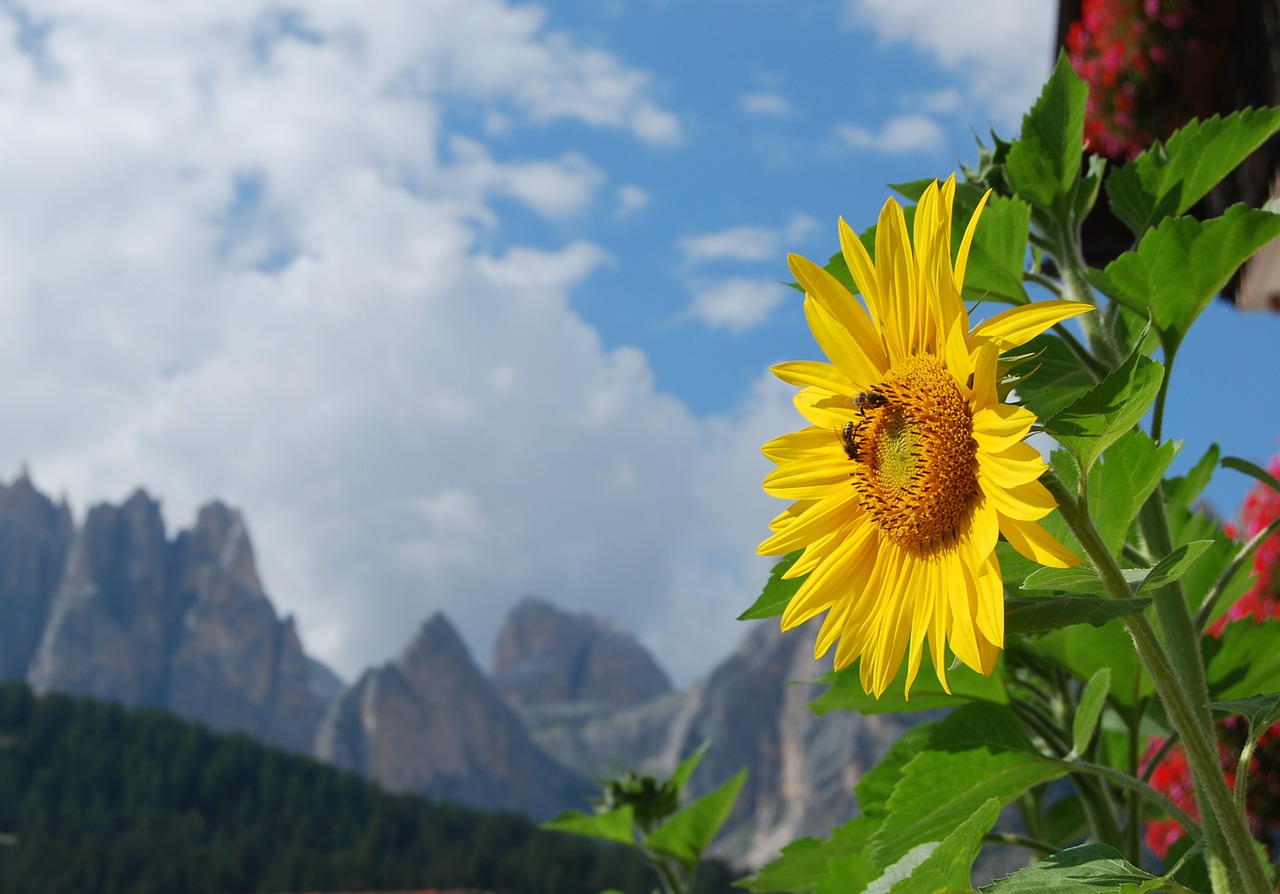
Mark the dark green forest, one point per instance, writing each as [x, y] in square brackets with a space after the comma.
[108, 799]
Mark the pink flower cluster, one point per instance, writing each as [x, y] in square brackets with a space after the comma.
[1261, 602]
[1126, 51]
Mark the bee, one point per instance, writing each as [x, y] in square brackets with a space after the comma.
[869, 400]
[849, 438]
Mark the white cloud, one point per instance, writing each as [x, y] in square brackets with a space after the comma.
[747, 243]
[241, 255]
[1004, 50]
[907, 133]
[631, 199]
[766, 103]
[736, 304]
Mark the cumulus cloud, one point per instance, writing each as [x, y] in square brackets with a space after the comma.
[1004, 51]
[747, 243]
[907, 133]
[630, 199]
[242, 255]
[737, 304]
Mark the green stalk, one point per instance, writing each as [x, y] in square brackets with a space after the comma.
[1233, 863]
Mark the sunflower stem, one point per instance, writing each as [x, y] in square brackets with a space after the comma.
[1234, 865]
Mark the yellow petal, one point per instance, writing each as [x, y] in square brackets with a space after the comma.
[813, 372]
[830, 293]
[1026, 502]
[840, 345]
[837, 509]
[863, 271]
[896, 268]
[962, 258]
[999, 426]
[1036, 543]
[799, 444]
[1019, 325]
[1015, 465]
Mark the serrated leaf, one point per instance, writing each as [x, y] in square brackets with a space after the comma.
[1244, 660]
[998, 253]
[1169, 178]
[945, 865]
[1039, 614]
[875, 787]
[1262, 711]
[686, 834]
[777, 593]
[1054, 378]
[1253, 470]
[1180, 265]
[979, 752]
[613, 825]
[1101, 416]
[1173, 566]
[805, 862]
[1087, 869]
[846, 692]
[1043, 165]
[1089, 711]
[1131, 470]
[1186, 488]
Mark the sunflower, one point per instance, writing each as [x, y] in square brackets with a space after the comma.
[911, 467]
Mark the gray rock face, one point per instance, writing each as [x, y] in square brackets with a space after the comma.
[429, 722]
[35, 535]
[184, 626]
[801, 768]
[547, 656]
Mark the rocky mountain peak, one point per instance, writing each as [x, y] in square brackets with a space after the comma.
[545, 655]
[35, 535]
[429, 722]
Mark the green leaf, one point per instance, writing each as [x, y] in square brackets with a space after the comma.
[1173, 566]
[1186, 488]
[846, 692]
[686, 834]
[777, 593]
[805, 862]
[1168, 179]
[1100, 417]
[1244, 660]
[1087, 869]
[876, 786]
[1038, 614]
[1084, 650]
[1180, 265]
[1043, 165]
[1186, 526]
[998, 253]
[1262, 711]
[1054, 377]
[980, 751]
[680, 775]
[1131, 470]
[613, 825]
[1089, 711]
[945, 865]
[1080, 579]
[1253, 470]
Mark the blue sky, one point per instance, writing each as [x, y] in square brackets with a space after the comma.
[461, 300]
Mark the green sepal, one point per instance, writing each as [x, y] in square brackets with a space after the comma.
[777, 593]
[1167, 179]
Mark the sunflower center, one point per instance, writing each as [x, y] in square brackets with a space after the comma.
[916, 466]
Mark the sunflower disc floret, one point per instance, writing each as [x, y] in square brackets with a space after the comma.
[911, 467]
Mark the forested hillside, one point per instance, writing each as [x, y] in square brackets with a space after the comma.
[107, 799]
